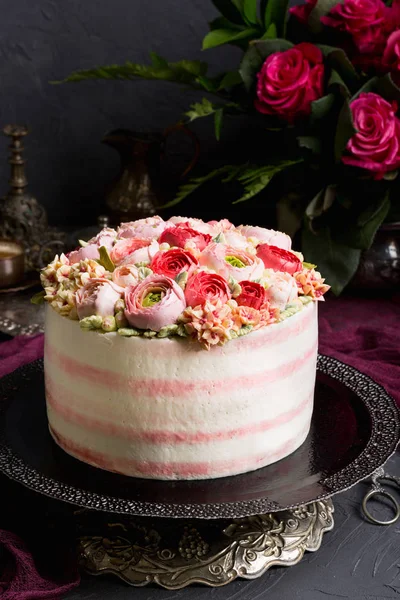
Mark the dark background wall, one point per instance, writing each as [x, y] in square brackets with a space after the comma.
[45, 40]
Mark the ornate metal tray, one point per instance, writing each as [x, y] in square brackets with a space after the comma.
[355, 429]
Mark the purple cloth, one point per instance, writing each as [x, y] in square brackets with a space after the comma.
[19, 576]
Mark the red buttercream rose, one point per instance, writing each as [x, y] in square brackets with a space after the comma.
[376, 145]
[182, 233]
[279, 260]
[253, 295]
[289, 81]
[205, 286]
[172, 262]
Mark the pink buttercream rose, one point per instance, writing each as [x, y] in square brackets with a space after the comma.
[267, 236]
[105, 237]
[173, 262]
[366, 21]
[221, 226]
[253, 295]
[228, 261]
[150, 228]
[143, 255]
[282, 288]
[205, 287]
[178, 235]
[126, 275]
[125, 247]
[235, 239]
[279, 260]
[155, 303]
[391, 56]
[196, 224]
[97, 297]
[289, 81]
[376, 145]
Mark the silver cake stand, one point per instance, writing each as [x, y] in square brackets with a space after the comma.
[211, 531]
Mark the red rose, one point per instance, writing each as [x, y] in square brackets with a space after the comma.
[289, 81]
[279, 260]
[376, 145]
[205, 286]
[303, 12]
[172, 262]
[181, 233]
[391, 56]
[253, 295]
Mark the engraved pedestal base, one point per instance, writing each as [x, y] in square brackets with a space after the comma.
[174, 553]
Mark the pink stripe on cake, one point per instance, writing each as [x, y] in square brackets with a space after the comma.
[168, 387]
[159, 437]
[174, 469]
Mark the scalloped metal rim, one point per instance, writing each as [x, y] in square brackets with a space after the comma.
[385, 435]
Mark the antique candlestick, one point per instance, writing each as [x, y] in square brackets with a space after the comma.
[22, 217]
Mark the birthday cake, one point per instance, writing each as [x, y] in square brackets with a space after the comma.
[181, 349]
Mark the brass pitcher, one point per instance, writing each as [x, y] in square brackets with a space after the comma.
[139, 190]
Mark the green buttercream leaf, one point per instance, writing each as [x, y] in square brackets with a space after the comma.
[244, 330]
[181, 331]
[235, 261]
[128, 332]
[151, 299]
[181, 279]
[82, 243]
[92, 322]
[307, 265]
[234, 287]
[109, 324]
[38, 298]
[219, 239]
[149, 334]
[144, 272]
[105, 259]
[168, 331]
[120, 319]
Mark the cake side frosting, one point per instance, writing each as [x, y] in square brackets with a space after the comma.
[167, 409]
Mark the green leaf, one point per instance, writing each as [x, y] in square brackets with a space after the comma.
[38, 298]
[255, 55]
[250, 11]
[321, 203]
[255, 179]
[158, 61]
[205, 108]
[344, 130]
[218, 118]
[219, 37]
[337, 59]
[184, 71]
[337, 262]
[361, 234]
[228, 10]
[230, 79]
[271, 33]
[190, 187]
[222, 23]
[386, 87]
[312, 143]
[105, 259]
[307, 265]
[335, 81]
[276, 12]
[321, 108]
[320, 10]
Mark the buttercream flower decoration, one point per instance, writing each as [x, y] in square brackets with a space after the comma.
[266, 236]
[279, 260]
[106, 238]
[181, 233]
[311, 283]
[97, 297]
[248, 316]
[232, 262]
[205, 287]
[375, 146]
[173, 262]
[210, 324]
[252, 295]
[280, 288]
[154, 303]
[126, 275]
[143, 255]
[150, 228]
[290, 81]
[127, 247]
[196, 224]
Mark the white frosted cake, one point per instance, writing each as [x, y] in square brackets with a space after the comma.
[181, 349]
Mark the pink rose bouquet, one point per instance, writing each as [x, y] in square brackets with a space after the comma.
[154, 303]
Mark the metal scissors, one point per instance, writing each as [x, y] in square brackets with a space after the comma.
[377, 490]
